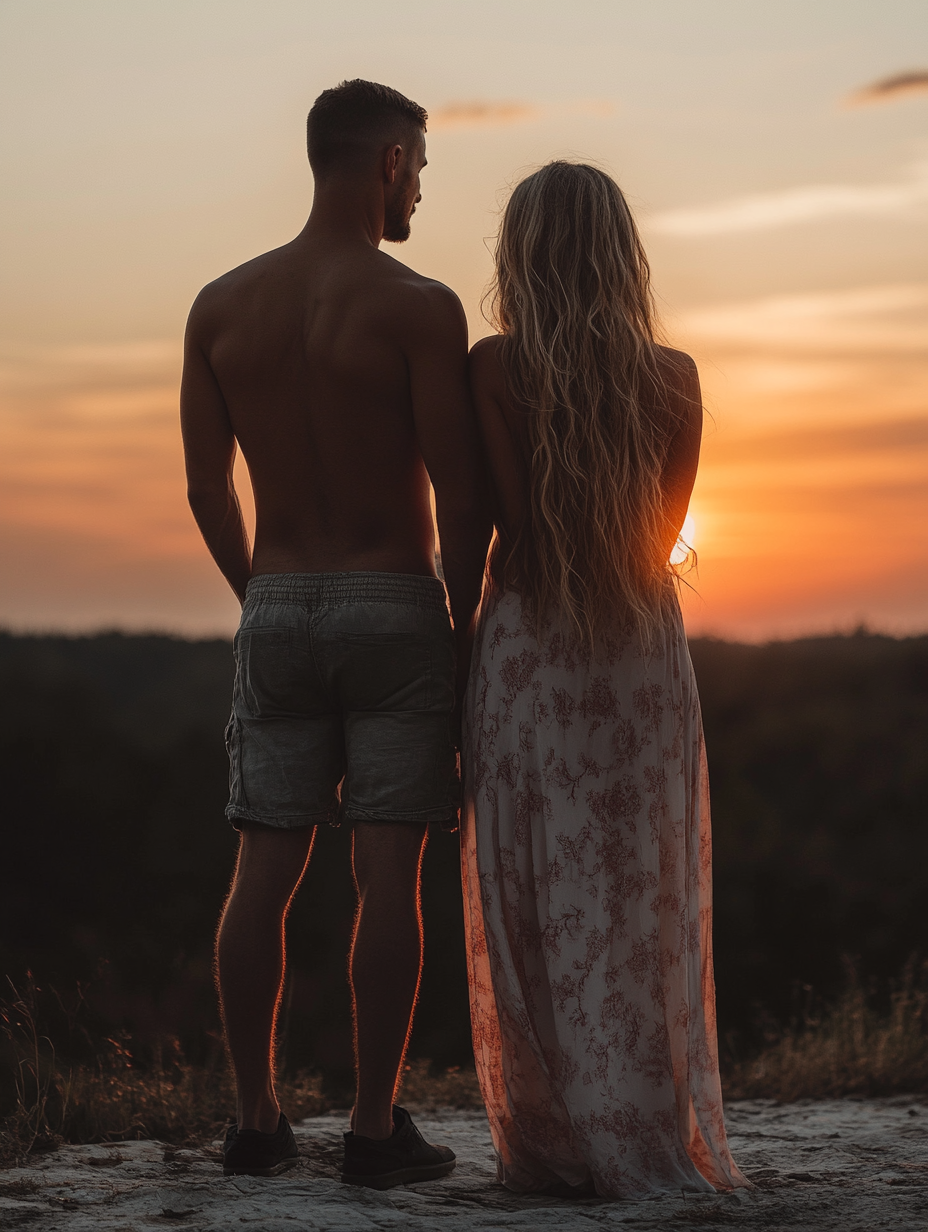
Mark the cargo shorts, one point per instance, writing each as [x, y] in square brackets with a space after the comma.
[342, 704]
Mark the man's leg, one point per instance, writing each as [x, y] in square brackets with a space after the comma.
[250, 961]
[386, 963]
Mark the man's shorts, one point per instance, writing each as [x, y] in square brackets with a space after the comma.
[343, 676]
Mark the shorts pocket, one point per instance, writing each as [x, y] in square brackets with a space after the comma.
[382, 672]
[272, 672]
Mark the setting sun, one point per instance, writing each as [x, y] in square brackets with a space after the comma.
[686, 541]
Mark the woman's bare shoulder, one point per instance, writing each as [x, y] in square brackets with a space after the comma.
[485, 347]
[676, 363]
[486, 370]
[681, 378]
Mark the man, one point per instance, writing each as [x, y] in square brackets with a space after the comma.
[341, 375]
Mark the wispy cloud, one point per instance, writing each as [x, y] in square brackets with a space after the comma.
[118, 381]
[483, 113]
[25, 365]
[478, 114]
[889, 89]
[888, 320]
[810, 203]
[906, 439]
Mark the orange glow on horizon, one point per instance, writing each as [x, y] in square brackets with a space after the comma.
[809, 508]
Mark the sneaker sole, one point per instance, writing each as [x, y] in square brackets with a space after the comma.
[405, 1176]
[274, 1171]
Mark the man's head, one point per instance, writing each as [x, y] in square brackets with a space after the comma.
[360, 128]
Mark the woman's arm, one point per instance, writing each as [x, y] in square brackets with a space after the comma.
[682, 459]
[508, 468]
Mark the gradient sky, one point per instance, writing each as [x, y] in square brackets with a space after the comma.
[149, 146]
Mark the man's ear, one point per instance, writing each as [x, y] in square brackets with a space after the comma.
[391, 162]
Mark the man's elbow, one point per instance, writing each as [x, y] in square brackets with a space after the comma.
[206, 495]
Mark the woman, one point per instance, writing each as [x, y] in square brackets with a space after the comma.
[587, 851]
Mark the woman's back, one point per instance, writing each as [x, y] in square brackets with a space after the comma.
[592, 427]
[503, 425]
[586, 830]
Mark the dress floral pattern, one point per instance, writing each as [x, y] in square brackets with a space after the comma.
[587, 880]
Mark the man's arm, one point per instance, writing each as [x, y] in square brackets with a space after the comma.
[209, 454]
[448, 439]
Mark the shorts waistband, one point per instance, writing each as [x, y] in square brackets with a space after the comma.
[327, 588]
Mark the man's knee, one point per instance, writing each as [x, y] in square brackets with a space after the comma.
[272, 861]
[388, 855]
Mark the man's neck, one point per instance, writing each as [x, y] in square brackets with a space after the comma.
[346, 212]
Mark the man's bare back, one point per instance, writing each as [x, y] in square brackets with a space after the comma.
[309, 350]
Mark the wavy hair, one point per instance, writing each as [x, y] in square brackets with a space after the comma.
[571, 298]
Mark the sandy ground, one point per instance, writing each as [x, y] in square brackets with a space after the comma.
[844, 1164]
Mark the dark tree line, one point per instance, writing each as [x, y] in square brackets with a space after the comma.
[117, 856]
[818, 760]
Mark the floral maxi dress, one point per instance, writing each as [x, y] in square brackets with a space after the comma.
[587, 882]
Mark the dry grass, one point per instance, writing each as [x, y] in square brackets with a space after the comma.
[184, 1104]
[850, 1049]
[423, 1089]
[181, 1105]
[112, 1098]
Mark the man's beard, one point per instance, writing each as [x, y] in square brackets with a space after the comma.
[396, 224]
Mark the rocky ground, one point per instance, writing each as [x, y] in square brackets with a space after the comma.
[844, 1164]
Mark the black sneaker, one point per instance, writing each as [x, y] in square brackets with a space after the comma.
[401, 1159]
[248, 1152]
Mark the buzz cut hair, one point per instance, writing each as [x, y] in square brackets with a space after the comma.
[348, 123]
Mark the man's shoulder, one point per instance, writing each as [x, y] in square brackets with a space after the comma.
[414, 300]
[231, 286]
[415, 288]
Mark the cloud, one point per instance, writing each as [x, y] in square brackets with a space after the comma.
[889, 320]
[31, 365]
[889, 89]
[906, 439]
[482, 114]
[488, 114]
[79, 383]
[811, 203]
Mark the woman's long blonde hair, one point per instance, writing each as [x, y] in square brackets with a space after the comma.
[572, 300]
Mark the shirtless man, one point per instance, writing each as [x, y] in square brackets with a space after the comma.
[341, 374]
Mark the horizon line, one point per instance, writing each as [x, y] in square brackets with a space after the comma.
[861, 629]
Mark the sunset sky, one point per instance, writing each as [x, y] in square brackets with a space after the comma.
[782, 192]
